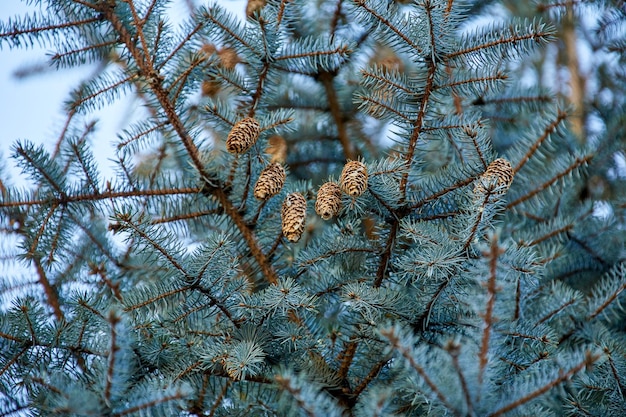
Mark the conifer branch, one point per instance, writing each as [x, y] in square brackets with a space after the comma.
[80, 99]
[513, 39]
[78, 198]
[178, 395]
[161, 296]
[386, 255]
[461, 183]
[101, 272]
[453, 350]
[286, 384]
[616, 374]
[218, 401]
[609, 300]
[589, 360]
[345, 357]
[379, 107]
[546, 133]
[46, 27]
[114, 320]
[577, 163]
[394, 340]
[14, 359]
[417, 125]
[488, 319]
[155, 83]
[387, 23]
[335, 110]
[371, 375]
[565, 229]
[144, 133]
[477, 221]
[79, 51]
[562, 306]
[51, 294]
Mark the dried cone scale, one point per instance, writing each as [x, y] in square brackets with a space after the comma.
[293, 215]
[270, 181]
[243, 135]
[328, 201]
[353, 180]
[500, 172]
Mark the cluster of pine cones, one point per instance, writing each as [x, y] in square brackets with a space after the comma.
[353, 180]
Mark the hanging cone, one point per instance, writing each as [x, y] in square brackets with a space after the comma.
[328, 201]
[353, 180]
[293, 215]
[277, 149]
[243, 135]
[270, 182]
[496, 179]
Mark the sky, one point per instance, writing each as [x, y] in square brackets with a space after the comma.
[31, 107]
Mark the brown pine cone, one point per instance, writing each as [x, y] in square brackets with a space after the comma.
[353, 180]
[243, 135]
[270, 181]
[328, 201]
[277, 148]
[293, 215]
[498, 176]
[253, 6]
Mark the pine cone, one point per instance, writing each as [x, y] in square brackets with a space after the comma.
[228, 58]
[270, 182]
[293, 215]
[328, 201]
[498, 176]
[243, 135]
[277, 148]
[353, 180]
[210, 87]
[253, 6]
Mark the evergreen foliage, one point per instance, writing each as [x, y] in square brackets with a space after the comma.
[470, 263]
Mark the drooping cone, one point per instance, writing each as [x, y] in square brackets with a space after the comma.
[228, 57]
[353, 180]
[293, 215]
[243, 135]
[277, 149]
[210, 87]
[496, 179]
[253, 6]
[328, 201]
[270, 181]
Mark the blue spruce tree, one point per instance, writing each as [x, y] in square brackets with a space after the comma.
[332, 208]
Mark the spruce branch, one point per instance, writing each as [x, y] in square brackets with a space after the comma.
[386, 255]
[546, 134]
[114, 320]
[177, 395]
[589, 360]
[494, 252]
[371, 376]
[335, 110]
[286, 384]
[17, 29]
[51, 294]
[365, 4]
[461, 183]
[578, 162]
[418, 125]
[155, 83]
[454, 349]
[394, 340]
